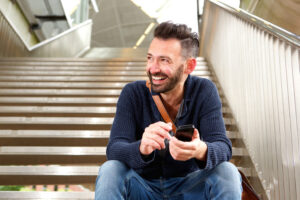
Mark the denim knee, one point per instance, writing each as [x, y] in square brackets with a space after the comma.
[112, 170]
[112, 167]
[229, 176]
[229, 171]
[110, 180]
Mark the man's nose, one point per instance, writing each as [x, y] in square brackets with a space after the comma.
[154, 68]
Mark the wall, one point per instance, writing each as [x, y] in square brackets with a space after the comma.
[71, 43]
[260, 76]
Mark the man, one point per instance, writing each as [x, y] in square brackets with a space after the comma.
[145, 160]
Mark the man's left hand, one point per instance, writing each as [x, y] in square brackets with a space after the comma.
[183, 151]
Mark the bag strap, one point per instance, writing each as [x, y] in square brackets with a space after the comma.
[248, 191]
[160, 106]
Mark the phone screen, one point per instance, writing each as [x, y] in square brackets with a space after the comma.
[185, 132]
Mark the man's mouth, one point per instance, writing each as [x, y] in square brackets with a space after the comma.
[158, 78]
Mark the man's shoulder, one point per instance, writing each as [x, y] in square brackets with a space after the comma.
[135, 85]
[201, 83]
[136, 88]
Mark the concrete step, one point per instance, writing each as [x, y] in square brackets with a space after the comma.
[54, 138]
[57, 109]
[85, 73]
[12, 195]
[33, 155]
[27, 175]
[91, 78]
[62, 137]
[117, 58]
[67, 120]
[62, 85]
[97, 101]
[68, 101]
[57, 120]
[66, 84]
[67, 109]
[78, 62]
[84, 68]
[53, 174]
[59, 92]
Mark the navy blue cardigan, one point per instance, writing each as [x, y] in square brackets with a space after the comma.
[136, 110]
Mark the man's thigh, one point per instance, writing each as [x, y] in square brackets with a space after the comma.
[139, 188]
[222, 182]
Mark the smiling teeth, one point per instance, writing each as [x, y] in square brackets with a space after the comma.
[157, 78]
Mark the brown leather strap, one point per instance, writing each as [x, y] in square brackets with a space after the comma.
[160, 106]
[248, 191]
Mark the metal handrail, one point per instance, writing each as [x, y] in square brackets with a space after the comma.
[45, 42]
[275, 30]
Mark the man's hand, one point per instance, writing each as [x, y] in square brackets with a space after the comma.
[183, 151]
[154, 136]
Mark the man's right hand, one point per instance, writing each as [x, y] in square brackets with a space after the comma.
[154, 136]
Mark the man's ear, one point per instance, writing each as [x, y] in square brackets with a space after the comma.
[191, 65]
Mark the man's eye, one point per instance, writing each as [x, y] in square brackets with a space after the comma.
[149, 58]
[164, 60]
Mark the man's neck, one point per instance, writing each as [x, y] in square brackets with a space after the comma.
[173, 99]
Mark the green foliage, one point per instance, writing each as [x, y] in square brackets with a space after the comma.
[11, 187]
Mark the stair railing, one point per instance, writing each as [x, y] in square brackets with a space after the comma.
[61, 45]
[258, 67]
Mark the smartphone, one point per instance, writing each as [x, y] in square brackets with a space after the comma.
[185, 132]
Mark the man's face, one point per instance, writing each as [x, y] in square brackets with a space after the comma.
[165, 65]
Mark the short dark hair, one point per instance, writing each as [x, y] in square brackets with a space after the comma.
[189, 40]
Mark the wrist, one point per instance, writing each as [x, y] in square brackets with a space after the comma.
[202, 152]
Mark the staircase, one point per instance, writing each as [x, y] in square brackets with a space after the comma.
[55, 117]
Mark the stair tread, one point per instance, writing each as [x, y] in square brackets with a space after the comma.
[66, 120]
[59, 100]
[55, 120]
[62, 85]
[90, 78]
[73, 151]
[50, 170]
[85, 68]
[44, 150]
[68, 134]
[85, 73]
[56, 170]
[54, 134]
[62, 109]
[7, 195]
[60, 91]
[57, 109]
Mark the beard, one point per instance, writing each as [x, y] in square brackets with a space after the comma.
[171, 82]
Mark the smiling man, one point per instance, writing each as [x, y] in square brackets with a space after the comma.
[145, 161]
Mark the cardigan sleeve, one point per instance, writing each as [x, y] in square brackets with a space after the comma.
[213, 131]
[123, 144]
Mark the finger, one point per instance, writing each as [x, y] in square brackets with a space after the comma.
[158, 138]
[182, 145]
[195, 134]
[158, 130]
[153, 144]
[180, 154]
[148, 146]
[166, 126]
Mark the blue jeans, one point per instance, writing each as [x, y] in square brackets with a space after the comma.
[116, 181]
